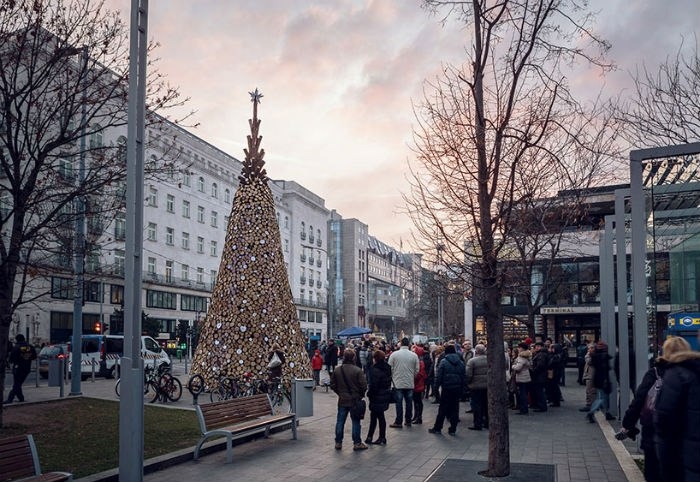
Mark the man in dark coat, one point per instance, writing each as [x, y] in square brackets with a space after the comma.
[540, 361]
[350, 384]
[451, 377]
[21, 359]
[331, 357]
[677, 419]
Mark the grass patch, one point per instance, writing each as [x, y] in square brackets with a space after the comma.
[81, 435]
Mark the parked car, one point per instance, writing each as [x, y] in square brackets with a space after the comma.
[51, 352]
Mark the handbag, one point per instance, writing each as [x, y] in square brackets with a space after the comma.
[274, 361]
[359, 407]
[392, 394]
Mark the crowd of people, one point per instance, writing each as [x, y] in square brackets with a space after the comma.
[409, 375]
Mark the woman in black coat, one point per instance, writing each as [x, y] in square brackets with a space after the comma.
[677, 419]
[379, 395]
[652, 472]
[600, 360]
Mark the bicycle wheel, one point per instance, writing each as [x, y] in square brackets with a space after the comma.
[150, 392]
[116, 387]
[195, 385]
[172, 388]
[281, 402]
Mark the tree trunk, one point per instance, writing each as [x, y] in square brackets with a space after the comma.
[7, 277]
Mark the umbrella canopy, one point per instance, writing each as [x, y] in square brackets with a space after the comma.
[354, 331]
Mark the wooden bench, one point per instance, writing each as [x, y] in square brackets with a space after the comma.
[238, 418]
[19, 461]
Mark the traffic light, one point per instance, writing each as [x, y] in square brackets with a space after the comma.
[98, 327]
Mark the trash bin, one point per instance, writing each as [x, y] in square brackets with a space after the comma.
[179, 354]
[56, 369]
[303, 397]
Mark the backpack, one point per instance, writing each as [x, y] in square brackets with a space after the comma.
[646, 416]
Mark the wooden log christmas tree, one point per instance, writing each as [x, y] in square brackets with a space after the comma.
[251, 304]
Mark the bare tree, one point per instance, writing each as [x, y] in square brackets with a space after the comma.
[63, 84]
[664, 107]
[490, 134]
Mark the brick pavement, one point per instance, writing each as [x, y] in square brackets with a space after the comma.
[561, 436]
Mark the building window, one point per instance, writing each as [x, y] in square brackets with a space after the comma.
[200, 244]
[151, 265]
[186, 178]
[119, 262]
[96, 137]
[200, 214]
[286, 222]
[170, 203]
[61, 288]
[200, 184]
[226, 218]
[214, 219]
[116, 294]
[213, 274]
[286, 246]
[212, 248]
[302, 233]
[65, 169]
[153, 197]
[185, 272]
[214, 190]
[152, 232]
[200, 275]
[120, 227]
[186, 209]
[169, 271]
[161, 299]
[193, 303]
[227, 196]
[169, 236]
[185, 240]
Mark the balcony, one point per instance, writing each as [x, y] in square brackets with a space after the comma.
[311, 238]
[302, 257]
[311, 281]
[303, 280]
[318, 263]
[318, 242]
[312, 304]
[311, 260]
[302, 234]
[318, 284]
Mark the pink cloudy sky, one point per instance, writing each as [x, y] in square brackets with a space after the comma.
[339, 77]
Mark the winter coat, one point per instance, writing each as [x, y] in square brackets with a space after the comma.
[419, 379]
[21, 357]
[477, 373]
[331, 357]
[557, 361]
[677, 419]
[451, 374]
[521, 367]
[538, 370]
[379, 392]
[629, 421]
[404, 366]
[317, 361]
[600, 360]
[354, 389]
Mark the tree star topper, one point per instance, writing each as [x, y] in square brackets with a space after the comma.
[255, 96]
[253, 165]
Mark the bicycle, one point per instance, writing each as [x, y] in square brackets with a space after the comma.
[169, 388]
[280, 396]
[226, 390]
[150, 387]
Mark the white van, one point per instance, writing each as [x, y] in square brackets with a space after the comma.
[151, 352]
[104, 351]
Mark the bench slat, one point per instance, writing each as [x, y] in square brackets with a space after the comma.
[17, 461]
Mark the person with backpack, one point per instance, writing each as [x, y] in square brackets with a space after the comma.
[642, 409]
[677, 418]
[21, 359]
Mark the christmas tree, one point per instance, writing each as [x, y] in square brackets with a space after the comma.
[251, 305]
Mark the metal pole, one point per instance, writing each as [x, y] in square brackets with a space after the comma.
[79, 251]
[131, 404]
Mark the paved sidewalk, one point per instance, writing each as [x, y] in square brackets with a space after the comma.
[580, 450]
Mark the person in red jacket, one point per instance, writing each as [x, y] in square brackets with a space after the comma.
[419, 387]
[316, 366]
